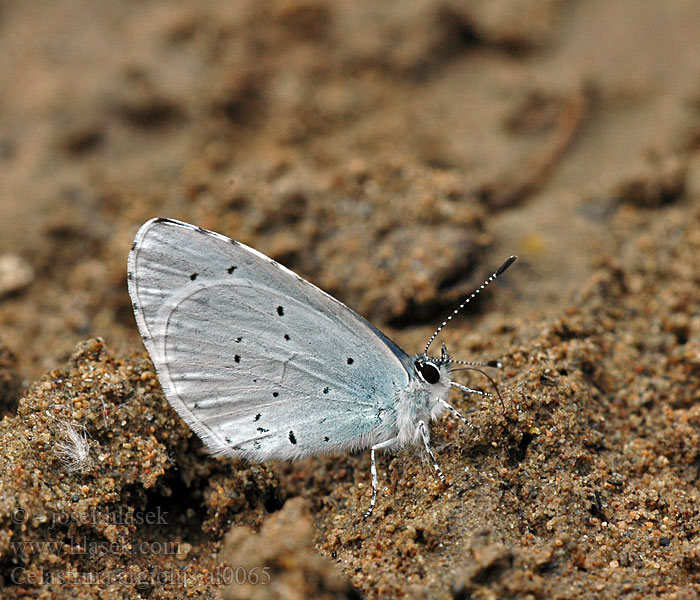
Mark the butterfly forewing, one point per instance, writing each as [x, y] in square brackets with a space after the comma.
[256, 360]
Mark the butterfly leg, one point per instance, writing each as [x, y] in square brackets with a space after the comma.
[456, 413]
[468, 390]
[426, 442]
[385, 444]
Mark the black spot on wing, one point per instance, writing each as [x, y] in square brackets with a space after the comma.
[350, 360]
[326, 438]
[193, 276]
[238, 340]
[231, 269]
[326, 390]
[286, 337]
[237, 359]
[263, 430]
[280, 311]
[275, 394]
[292, 437]
[257, 417]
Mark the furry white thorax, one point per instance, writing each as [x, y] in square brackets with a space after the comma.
[420, 401]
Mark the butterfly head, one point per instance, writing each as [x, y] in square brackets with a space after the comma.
[433, 371]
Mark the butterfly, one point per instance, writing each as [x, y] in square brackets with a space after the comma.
[262, 364]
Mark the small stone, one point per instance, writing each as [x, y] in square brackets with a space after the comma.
[15, 274]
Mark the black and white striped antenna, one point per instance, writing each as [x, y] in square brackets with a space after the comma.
[473, 295]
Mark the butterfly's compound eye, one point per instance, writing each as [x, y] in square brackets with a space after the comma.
[428, 371]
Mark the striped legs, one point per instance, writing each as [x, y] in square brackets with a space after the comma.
[456, 413]
[379, 446]
[422, 427]
[425, 435]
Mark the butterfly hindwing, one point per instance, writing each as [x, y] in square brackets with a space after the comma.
[258, 361]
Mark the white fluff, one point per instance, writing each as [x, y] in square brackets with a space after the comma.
[74, 449]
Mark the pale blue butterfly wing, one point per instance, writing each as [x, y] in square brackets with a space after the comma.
[259, 362]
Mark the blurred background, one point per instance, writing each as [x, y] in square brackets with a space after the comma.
[392, 153]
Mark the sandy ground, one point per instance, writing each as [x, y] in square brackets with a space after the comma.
[393, 154]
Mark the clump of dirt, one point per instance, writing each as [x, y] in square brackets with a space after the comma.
[95, 468]
[280, 561]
